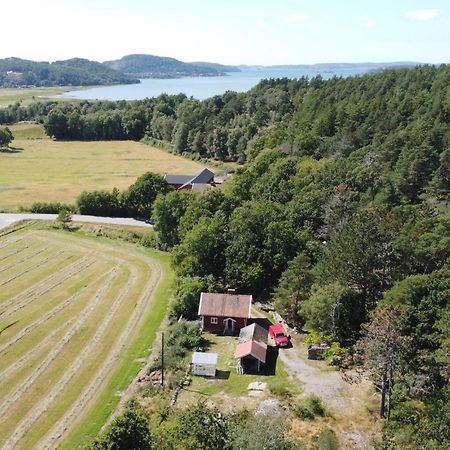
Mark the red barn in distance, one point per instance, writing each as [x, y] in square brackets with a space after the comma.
[226, 313]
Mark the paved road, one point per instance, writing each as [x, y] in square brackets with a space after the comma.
[7, 219]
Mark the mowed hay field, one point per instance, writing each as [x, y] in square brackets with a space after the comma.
[77, 315]
[39, 169]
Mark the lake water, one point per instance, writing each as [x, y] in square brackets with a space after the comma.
[200, 87]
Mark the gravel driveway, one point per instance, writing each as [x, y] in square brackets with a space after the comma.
[7, 219]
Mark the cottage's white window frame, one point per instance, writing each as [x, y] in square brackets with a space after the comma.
[214, 320]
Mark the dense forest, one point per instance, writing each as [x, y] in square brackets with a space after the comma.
[340, 215]
[150, 66]
[16, 72]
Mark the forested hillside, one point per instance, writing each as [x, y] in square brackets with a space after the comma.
[340, 216]
[150, 66]
[16, 72]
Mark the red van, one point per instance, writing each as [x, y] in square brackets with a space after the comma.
[279, 335]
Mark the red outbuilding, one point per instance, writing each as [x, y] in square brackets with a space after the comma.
[226, 313]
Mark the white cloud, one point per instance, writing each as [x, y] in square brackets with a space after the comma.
[422, 14]
[297, 17]
[368, 21]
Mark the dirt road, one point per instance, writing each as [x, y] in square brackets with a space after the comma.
[8, 219]
[315, 378]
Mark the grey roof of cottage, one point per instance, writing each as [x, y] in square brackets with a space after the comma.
[178, 179]
[225, 305]
[204, 358]
[205, 176]
[253, 332]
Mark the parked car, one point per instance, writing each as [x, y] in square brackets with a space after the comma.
[278, 334]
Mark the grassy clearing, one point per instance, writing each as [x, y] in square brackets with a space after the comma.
[229, 389]
[74, 341]
[40, 169]
[27, 96]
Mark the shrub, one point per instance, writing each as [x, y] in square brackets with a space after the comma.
[279, 389]
[187, 296]
[129, 430]
[100, 203]
[326, 440]
[309, 408]
[150, 240]
[336, 351]
[50, 207]
[182, 337]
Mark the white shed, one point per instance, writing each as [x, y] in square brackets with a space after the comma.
[204, 363]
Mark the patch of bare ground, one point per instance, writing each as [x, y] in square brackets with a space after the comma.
[349, 397]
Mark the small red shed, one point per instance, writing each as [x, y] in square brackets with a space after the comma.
[226, 313]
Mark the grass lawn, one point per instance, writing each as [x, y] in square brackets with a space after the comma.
[228, 390]
[44, 170]
[27, 96]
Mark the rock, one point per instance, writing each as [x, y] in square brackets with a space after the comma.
[257, 386]
[316, 351]
[270, 408]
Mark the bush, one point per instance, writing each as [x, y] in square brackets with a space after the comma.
[187, 296]
[279, 389]
[150, 240]
[309, 408]
[255, 433]
[326, 440]
[50, 207]
[129, 430]
[182, 337]
[335, 352]
[100, 203]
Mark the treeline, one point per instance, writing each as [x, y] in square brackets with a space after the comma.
[196, 427]
[313, 117]
[16, 72]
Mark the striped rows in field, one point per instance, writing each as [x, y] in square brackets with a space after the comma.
[72, 308]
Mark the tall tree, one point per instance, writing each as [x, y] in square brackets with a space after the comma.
[6, 137]
[385, 350]
[138, 199]
[167, 211]
[294, 287]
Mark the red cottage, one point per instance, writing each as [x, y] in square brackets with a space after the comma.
[226, 313]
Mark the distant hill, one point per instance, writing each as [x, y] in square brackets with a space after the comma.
[220, 67]
[16, 72]
[331, 67]
[150, 66]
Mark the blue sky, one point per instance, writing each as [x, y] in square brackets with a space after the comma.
[230, 31]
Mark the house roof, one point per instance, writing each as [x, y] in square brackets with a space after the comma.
[204, 358]
[205, 176]
[225, 305]
[253, 332]
[251, 348]
[178, 179]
